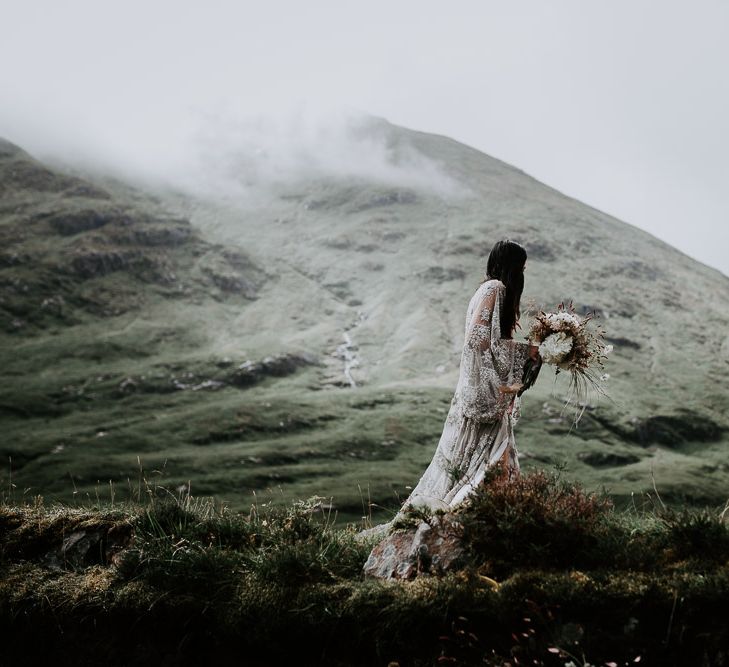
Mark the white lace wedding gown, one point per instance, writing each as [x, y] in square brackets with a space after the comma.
[479, 428]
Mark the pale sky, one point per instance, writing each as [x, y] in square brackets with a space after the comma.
[622, 104]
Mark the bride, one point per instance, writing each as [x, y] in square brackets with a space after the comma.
[495, 370]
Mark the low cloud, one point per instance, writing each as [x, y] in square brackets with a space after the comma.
[240, 155]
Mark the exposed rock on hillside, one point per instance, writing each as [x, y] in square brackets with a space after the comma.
[103, 245]
[250, 372]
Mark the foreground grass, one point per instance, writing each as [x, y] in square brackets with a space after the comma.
[179, 580]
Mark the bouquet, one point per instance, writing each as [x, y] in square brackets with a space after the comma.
[567, 342]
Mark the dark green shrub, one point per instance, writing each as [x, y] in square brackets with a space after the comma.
[536, 520]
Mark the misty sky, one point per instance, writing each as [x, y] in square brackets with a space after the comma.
[623, 105]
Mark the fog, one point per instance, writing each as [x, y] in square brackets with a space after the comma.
[238, 156]
[622, 105]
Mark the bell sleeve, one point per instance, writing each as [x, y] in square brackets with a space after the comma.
[489, 361]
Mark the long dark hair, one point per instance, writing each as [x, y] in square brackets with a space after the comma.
[506, 263]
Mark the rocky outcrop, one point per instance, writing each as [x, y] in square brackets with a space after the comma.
[387, 198]
[432, 547]
[244, 375]
[232, 283]
[251, 372]
[232, 272]
[69, 249]
[69, 223]
[94, 263]
[97, 545]
[157, 233]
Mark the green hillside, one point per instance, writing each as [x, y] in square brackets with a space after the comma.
[306, 342]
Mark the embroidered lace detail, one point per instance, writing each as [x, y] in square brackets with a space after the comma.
[478, 336]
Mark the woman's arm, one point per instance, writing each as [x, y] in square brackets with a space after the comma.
[506, 356]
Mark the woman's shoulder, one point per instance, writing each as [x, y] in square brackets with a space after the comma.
[485, 291]
[489, 285]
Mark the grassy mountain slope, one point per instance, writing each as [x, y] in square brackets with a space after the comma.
[405, 262]
[218, 341]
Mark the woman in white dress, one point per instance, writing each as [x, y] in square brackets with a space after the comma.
[495, 370]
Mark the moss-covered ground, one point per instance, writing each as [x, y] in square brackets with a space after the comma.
[554, 575]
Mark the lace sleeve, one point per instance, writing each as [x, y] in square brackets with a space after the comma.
[489, 361]
[508, 355]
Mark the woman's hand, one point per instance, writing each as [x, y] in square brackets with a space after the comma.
[534, 352]
[510, 388]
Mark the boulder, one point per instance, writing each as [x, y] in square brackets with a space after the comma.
[433, 547]
[251, 372]
[92, 545]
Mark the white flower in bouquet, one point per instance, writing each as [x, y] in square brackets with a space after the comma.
[562, 318]
[555, 347]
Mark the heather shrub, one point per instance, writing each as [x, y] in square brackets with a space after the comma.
[537, 520]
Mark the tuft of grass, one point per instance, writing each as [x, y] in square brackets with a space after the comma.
[178, 541]
[697, 534]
